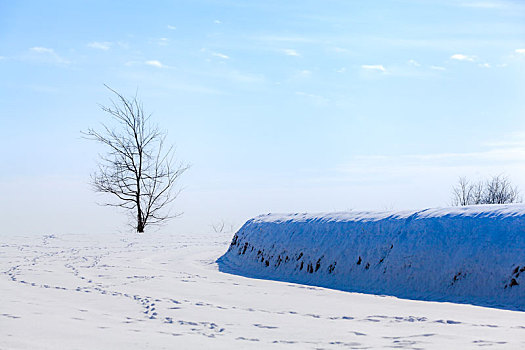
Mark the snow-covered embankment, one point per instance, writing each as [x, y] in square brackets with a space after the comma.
[470, 254]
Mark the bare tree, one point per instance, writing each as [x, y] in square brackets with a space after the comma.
[497, 190]
[223, 226]
[138, 169]
[462, 193]
[477, 193]
[218, 227]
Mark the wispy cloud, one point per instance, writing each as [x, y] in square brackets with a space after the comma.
[170, 27]
[462, 57]
[374, 67]
[220, 55]
[104, 45]
[513, 139]
[438, 68]
[341, 70]
[434, 165]
[291, 52]
[48, 55]
[155, 63]
[508, 150]
[500, 155]
[520, 51]
[163, 41]
[40, 49]
[484, 65]
[217, 21]
[414, 63]
[215, 54]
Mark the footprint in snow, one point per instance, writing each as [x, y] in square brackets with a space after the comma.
[447, 322]
[247, 339]
[488, 342]
[358, 333]
[284, 342]
[263, 326]
[351, 344]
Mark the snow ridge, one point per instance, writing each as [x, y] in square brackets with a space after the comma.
[472, 254]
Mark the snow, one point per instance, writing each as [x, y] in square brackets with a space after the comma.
[473, 254]
[164, 291]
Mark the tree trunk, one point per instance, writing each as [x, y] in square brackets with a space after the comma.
[140, 225]
[140, 219]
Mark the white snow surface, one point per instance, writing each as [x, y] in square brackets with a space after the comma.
[472, 254]
[165, 291]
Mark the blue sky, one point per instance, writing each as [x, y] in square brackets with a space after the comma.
[279, 106]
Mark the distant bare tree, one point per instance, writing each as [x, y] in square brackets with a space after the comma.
[477, 193]
[222, 226]
[497, 190]
[138, 169]
[218, 227]
[462, 192]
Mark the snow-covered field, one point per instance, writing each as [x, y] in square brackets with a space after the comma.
[166, 292]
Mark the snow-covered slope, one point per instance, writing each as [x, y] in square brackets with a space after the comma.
[472, 254]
